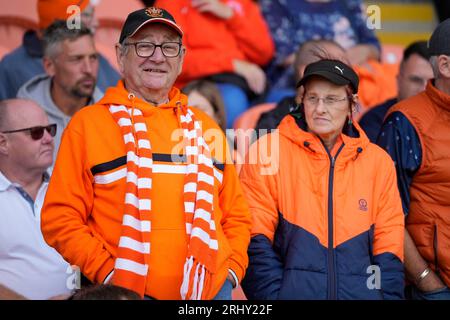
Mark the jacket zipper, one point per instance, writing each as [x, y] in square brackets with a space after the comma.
[332, 288]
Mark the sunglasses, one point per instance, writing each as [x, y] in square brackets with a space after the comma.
[37, 133]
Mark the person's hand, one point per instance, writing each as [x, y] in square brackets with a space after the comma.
[252, 73]
[215, 7]
[430, 283]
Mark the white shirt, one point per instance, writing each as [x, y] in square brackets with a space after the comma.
[27, 264]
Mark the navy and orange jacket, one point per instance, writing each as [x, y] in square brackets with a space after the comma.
[84, 205]
[324, 223]
[213, 43]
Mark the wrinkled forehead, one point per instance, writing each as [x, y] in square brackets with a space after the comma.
[25, 113]
[322, 85]
[156, 31]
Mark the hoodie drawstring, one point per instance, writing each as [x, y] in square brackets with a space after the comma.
[131, 97]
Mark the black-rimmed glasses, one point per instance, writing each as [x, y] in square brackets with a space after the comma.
[328, 101]
[147, 49]
[37, 133]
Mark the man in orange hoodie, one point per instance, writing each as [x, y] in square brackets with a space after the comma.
[138, 198]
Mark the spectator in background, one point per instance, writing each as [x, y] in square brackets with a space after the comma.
[293, 22]
[415, 71]
[71, 64]
[28, 266]
[416, 134]
[205, 95]
[228, 42]
[25, 62]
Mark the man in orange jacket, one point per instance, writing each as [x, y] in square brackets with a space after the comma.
[138, 198]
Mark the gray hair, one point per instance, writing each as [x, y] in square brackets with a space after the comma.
[57, 32]
[123, 48]
[435, 66]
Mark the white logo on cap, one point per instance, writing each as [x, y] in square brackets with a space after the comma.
[341, 70]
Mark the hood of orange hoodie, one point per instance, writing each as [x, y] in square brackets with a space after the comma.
[119, 95]
[295, 129]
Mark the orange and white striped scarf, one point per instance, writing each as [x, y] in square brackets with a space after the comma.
[133, 252]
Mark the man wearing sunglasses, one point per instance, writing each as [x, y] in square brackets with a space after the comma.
[35, 271]
[71, 65]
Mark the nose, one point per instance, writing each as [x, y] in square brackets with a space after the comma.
[47, 138]
[320, 107]
[87, 65]
[158, 55]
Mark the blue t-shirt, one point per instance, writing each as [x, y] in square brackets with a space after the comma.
[399, 138]
[372, 120]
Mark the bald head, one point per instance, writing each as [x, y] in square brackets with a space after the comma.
[315, 50]
[15, 113]
[23, 157]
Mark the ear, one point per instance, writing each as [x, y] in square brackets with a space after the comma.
[49, 66]
[444, 65]
[299, 95]
[3, 144]
[120, 57]
[182, 54]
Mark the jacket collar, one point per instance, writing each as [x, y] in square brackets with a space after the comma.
[294, 128]
[438, 97]
[119, 95]
[5, 183]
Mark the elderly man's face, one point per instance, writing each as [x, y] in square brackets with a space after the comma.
[156, 73]
[24, 152]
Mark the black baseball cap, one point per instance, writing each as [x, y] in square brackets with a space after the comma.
[439, 42]
[139, 18]
[333, 70]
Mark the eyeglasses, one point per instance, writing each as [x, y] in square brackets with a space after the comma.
[328, 101]
[37, 133]
[147, 49]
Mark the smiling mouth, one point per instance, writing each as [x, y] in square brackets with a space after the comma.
[154, 70]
